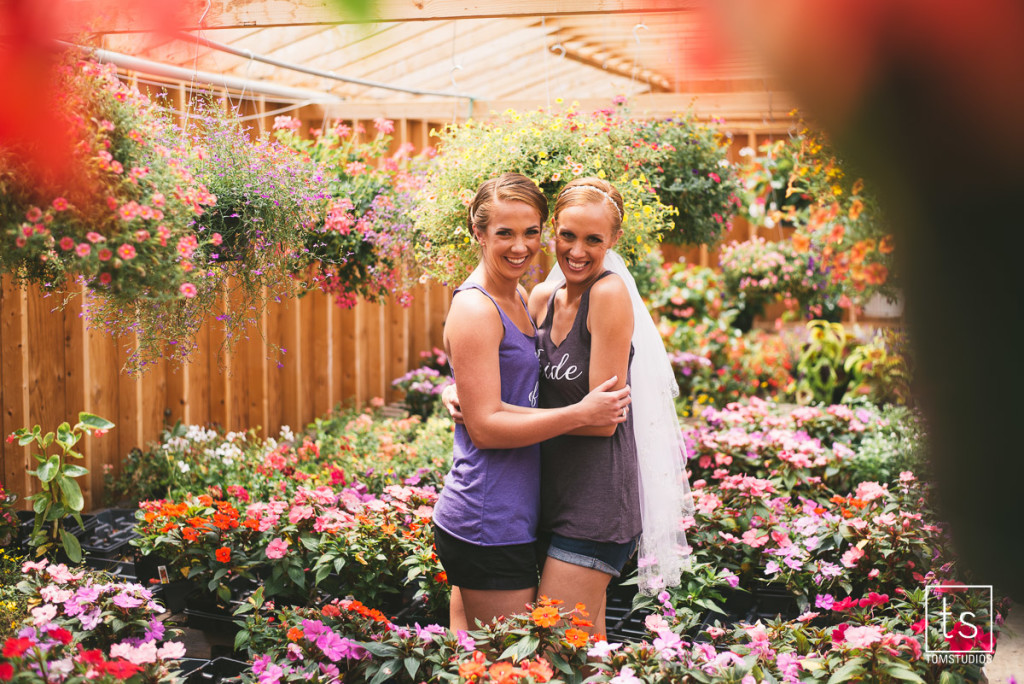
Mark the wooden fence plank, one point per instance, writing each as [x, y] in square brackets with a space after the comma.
[318, 356]
[102, 398]
[347, 326]
[197, 385]
[397, 334]
[309, 311]
[290, 372]
[14, 384]
[47, 401]
[77, 378]
[129, 391]
[219, 369]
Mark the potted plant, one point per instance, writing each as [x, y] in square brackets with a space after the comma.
[61, 496]
[552, 148]
[361, 242]
[693, 175]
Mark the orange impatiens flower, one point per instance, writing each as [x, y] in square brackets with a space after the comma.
[473, 669]
[545, 616]
[886, 245]
[539, 669]
[504, 673]
[223, 554]
[856, 207]
[876, 274]
[294, 634]
[576, 637]
[189, 534]
[801, 243]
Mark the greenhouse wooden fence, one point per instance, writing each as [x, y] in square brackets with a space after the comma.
[52, 366]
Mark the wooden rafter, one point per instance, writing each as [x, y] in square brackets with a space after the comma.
[106, 17]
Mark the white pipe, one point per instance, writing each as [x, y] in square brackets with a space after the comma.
[232, 82]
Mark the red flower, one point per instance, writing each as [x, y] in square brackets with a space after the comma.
[93, 657]
[918, 626]
[874, 599]
[121, 669]
[60, 634]
[15, 647]
[839, 633]
[6, 672]
[959, 641]
[844, 605]
[223, 554]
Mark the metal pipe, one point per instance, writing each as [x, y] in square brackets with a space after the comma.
[249, 54]
[232, 82]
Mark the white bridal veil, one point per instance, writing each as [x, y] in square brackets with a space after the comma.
[665, 498]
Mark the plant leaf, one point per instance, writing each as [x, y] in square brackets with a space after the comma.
[847, 671]
[71, 546]
[48, 470]
[95, 422]
[72, 493]
[73, 470]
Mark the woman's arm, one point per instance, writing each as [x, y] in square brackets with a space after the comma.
[473, 334]
[610, 322]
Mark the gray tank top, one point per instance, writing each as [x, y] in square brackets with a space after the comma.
[589, 485]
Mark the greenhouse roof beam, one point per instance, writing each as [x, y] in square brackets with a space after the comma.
[249, 54]
[104, 18]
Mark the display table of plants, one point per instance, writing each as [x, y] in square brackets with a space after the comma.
[813, 541]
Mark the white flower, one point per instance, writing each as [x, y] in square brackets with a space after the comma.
[172, 650]
[747, 151]
[184, 467]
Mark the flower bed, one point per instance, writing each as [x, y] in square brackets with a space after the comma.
[813, 543]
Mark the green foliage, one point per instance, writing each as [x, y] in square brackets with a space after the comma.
[551, 148]
[694, 177]
[61, 495]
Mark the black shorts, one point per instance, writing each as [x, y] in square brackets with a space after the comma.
[486, 568]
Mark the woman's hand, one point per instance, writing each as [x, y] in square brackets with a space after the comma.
[604, 406]
[450, 399]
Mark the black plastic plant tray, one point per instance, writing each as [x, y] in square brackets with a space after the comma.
[209, 621]
[123, 569]
[111, 533]
[222, 669]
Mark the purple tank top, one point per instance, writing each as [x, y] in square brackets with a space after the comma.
[491, 497]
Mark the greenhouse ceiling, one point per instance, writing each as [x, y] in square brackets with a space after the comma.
[446, 58]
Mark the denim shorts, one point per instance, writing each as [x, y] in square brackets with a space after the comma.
[607, 557]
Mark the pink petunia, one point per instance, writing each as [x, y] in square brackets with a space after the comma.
[188, 290]
[126, 252]
[60, 204]
[94, 237]
[83, 249]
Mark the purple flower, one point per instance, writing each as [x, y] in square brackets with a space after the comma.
[426, 633]
[824, 601]
[466, 642]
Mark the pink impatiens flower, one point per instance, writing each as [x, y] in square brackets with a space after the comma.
[188, 290]
[862, 637]
[851, 557]
[277, 548]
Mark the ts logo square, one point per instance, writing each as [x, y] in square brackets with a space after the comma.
[958, 622]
